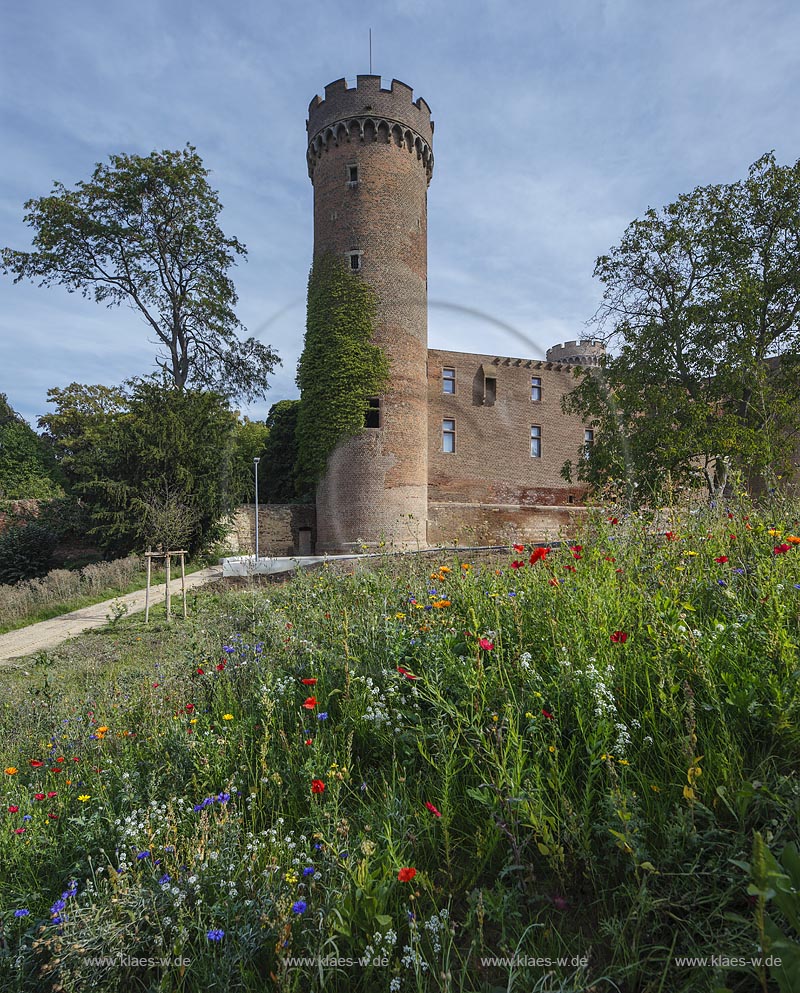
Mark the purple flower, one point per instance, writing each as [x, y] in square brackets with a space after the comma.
[299, 907]
[323, 716]
[215, 934]
[223, 797]
[143, 855]
[58, 906]
[21, 913]
[164, 879]
[228, 649]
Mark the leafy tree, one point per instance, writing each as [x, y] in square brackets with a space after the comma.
[150, 463]
[703, 298]
[280, 457]
[143, 231]
[26, 550]
[340, 367]
[27, 467]
[251, 442]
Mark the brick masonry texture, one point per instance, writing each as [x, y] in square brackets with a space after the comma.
[279, 527]
[376, 485]
[492, 463]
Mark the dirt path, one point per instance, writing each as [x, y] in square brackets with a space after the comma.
[48, 634]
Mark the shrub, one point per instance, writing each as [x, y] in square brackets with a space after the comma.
[26, 550]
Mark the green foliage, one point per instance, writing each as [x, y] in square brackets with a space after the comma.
[26, 550]
[143, 231]
[703, 297]
[251, 441]
[277, 479]
[27, 468]
[778, 882]
[340, 367]
[592, 796]
[151, 464]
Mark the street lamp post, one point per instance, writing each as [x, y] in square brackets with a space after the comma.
[255, 465]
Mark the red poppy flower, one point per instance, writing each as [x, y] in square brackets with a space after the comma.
[309, 681]
[432, 809]
[189, 707]
[732, 537]
[619, 637]
[220, 666]
[60, 758]
[518, 548]
[13, 808]
[486, 645]
[38, 796]
[310, 703]
[406, 673]
[670, 536]
[56, 768]
[613, 520]
[721, 559]
[547, 714]
[201, 672]
[406, 875]
[609, 558]
[52, 816]
[730, 516]
[777, 550]
[309, 741]
[51, 794]
[570, 568]
[517, 564]
[19, 830]
[35, 763]
[317, 786]
[538, 555]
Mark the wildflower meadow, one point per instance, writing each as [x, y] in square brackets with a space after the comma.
[560, 769]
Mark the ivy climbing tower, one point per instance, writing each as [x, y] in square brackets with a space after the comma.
[370, 160]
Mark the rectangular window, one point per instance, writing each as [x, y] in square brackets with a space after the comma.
[536, 388]
[588, 441]
[448, 435]
[489, 390]
[352, 175]
[448, 380]
[372, 415]
[536, 441]
[355, 261]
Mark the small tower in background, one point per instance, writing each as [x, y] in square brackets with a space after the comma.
[586, 353]
[370, 160]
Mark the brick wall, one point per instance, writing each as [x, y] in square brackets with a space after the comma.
[492, 463]
[452, 523]
[278, 528]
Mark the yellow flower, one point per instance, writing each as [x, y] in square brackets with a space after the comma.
[552, 748]
[624, 762]
[102, 730]
[494, 717]
[290, 877]
[445, 568]
[654, 788]
[227, 717]
[528, 714]
[400, 616]
[84, 797]
[774, 532]
[193, 720]
[466, 565]
[12, 770]
[691, 553]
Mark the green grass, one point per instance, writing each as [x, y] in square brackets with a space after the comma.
[66, 606]
[575, 756]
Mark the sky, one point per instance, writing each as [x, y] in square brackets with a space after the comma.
[557, 124]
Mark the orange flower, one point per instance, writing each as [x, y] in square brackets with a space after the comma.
[12, 770]
[793, 539]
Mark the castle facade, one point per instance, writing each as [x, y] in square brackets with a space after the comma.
[461, 447]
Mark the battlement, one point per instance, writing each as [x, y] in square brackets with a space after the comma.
[585, 352]
[368, 99]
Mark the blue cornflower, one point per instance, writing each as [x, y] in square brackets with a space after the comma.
[797, 586]
[739, 572]
[169, 848]
[223, 797]
[299, 907]
[143, 855]
[215, 934]
[197, 808]
[164, 879]
[323, 716]
[428, 606]
[317, 846]
[344, 855]
[58, 906]
[228, 649]
[721, 582]
[21, 913]
[26, 817]
[309, 870]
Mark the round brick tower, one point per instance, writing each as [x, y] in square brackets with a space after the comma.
[370, 161]
[583, 353]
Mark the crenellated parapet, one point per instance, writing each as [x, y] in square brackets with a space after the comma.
[368, 113]
[587, 352]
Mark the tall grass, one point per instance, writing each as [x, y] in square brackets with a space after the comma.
[572, 754]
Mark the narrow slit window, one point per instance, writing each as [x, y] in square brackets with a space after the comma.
[489, 391]
[372, 415]
[448, 435]
[355, 261]
[536, 388]
[448, 380]
[352, 175]
[536, 441]
[588, 442]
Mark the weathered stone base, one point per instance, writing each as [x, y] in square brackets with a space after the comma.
[499, 524]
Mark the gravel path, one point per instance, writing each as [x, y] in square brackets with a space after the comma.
[47, 634]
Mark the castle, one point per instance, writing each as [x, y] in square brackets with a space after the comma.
[460, 447]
